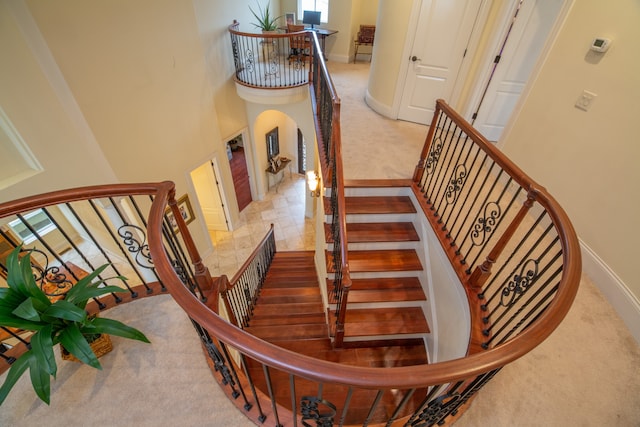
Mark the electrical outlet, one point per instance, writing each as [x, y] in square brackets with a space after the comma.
[585, 100]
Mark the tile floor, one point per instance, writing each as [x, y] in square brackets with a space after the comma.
[284, 209]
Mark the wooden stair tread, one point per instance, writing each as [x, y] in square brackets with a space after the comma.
[377, 183]
[385, 321]
[379, 205]
[384, 289]
[287, 299]
[380, 260]
[386, 295]
[358, 232]
[386, 283]
[289, 309]
[301, 291]
[297, 319]
[273, 333]
[376, 205]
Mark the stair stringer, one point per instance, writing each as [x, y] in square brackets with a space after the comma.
[447, 307]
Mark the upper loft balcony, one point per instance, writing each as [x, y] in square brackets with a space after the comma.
[264, 62]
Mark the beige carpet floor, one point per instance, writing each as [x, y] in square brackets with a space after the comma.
[586, 374]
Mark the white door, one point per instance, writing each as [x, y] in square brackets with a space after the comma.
[523, 46]
[210, 198]
[441, 37]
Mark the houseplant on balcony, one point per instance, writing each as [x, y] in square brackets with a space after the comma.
[25, 306]
[264, 19]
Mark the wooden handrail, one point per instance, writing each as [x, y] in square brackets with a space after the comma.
[321, 371]
[496, 155]
[365, 377]
[314, 369]
[162, 195]
[330, 150]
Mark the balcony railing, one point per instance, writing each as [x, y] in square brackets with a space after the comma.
[270, 60]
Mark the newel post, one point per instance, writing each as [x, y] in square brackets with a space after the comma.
[483, 271]
[201, 272]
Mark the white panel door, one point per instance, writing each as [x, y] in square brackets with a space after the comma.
[521, 51]
[441, 37]
[209, 197]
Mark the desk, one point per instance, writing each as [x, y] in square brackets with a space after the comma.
[322, 33]
[270, 172]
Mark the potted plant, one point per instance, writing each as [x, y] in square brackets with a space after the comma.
[25, 306]
[265, 20]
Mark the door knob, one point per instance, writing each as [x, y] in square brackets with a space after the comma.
[414, 58]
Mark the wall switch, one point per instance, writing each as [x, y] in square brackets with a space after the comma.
[585, 100]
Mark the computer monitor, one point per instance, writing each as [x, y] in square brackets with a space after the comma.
[311, 17]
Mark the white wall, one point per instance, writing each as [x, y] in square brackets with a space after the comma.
[41, 110]
[393, 20]
[589, 160]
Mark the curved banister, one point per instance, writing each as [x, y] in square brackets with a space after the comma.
[478, 366]
[391, 377]
[319, 370]
[503, 161]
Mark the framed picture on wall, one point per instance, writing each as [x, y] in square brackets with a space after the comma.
[290, 18]
[273, 145]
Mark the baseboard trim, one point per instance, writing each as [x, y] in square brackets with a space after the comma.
[613, 288]
[378, 107]
[339, 58]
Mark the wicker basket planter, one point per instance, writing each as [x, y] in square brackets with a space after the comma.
[100, 346]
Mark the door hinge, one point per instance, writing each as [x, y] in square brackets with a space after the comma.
[465, 53]
[475, 116]
[495, 61]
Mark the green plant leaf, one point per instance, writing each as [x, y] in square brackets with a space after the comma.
[42, 347]
[63, 309]
[15, 372]
[85, 289]
[14, 275]
[75, 343]
[114, 327]
[20, 277]
[40, 379]
[27, 311]
[11, 299]
[266, 21]
[11, 321]
[81, 298]
[30, 285]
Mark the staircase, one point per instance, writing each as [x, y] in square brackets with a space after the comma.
[289, 309]
[385, 304]
[289, 313]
